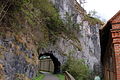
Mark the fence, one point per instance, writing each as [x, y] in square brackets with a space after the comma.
[68, 76]
[46, 65]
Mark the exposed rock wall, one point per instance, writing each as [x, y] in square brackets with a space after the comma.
[18, 60]
[18, 53]
[88, 36]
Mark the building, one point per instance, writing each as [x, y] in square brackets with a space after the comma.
[110, 48]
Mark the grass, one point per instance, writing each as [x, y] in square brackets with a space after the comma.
[39, 77]
[60, 76]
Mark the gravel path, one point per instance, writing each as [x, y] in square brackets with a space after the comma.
[49, 76]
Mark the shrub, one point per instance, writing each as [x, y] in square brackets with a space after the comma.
[36, 14]
[77, 69]
[92, 20]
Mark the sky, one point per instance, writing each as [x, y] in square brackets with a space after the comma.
[104, 8]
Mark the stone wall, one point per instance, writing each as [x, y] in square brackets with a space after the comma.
[17, 60]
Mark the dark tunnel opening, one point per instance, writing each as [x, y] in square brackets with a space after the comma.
[56, 63]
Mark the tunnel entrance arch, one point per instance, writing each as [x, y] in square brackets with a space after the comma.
[56, 63]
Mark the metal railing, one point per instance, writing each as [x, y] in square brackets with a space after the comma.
[68, 76]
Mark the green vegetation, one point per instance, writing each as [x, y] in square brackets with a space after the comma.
[39, 77]
[50, 18]
[92, 20]
[71, 27]
[41, 17]
[60, 76]
[28, 15]
[77, 68]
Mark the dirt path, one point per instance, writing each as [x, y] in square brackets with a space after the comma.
[49, 76]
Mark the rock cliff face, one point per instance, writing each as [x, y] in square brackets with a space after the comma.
[18, 59]
[19, 52]
[88, 36]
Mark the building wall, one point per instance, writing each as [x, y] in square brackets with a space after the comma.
[109, 61]
[110, 48]
[116, 42]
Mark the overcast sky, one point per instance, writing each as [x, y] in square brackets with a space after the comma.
[105, 8]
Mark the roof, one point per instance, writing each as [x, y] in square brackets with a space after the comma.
[110, 20]
[105, 32]
[115, 16]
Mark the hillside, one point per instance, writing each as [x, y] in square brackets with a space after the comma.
[29, 28]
